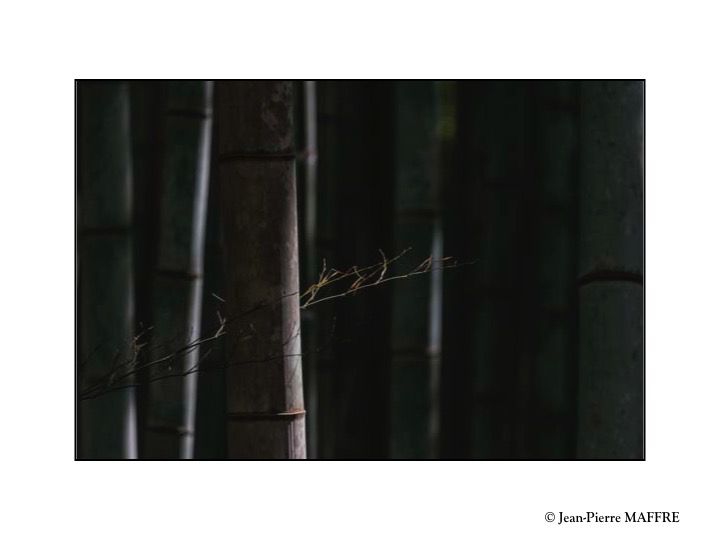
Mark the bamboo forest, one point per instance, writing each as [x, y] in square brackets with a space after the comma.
[360, 269]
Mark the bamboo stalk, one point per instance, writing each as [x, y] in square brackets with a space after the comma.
[256, 168]
[415, 325]
[306, 150]
[148, 123]
[364, 207]
[485, 313]
[459, 238]
[610, 372]
[503, 302]
[327, 245]
[210, 428]
[107, 424]
[555, 143]
[178, 279]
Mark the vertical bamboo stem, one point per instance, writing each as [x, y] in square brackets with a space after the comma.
[555, 139]
[328, 119]
[501, 287]
[491, 208]
[415, 339]
[148, 126]
[306, 149]
[107, 424]
[257, 175]
[488, 199]
[364, 225]
[310, 165]
[210, 423]
[460, 238]
[610, 378]
[178, 280]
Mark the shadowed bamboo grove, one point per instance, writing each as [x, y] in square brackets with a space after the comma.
[360, 269]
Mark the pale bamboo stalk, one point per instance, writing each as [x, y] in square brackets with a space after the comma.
[415, 329]
[306, 150]
[107, 424]
[610, 378]
[210, 429]
[266, 417]
[177, 285]
[310, 162]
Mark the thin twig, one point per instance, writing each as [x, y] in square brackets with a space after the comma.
[363, 278]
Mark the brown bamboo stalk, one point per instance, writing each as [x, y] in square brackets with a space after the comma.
[256, 165]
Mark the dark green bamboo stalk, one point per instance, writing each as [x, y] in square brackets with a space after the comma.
[148, 126]
[107, 424]
[610, 382]
[257, 177]
[555, 149]
[459, 194]
[485, 311]
[328, 120]
[501, 300]
[415, 328]
[178, 280]
[364, 225]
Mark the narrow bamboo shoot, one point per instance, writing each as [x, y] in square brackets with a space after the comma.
[178, 279]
